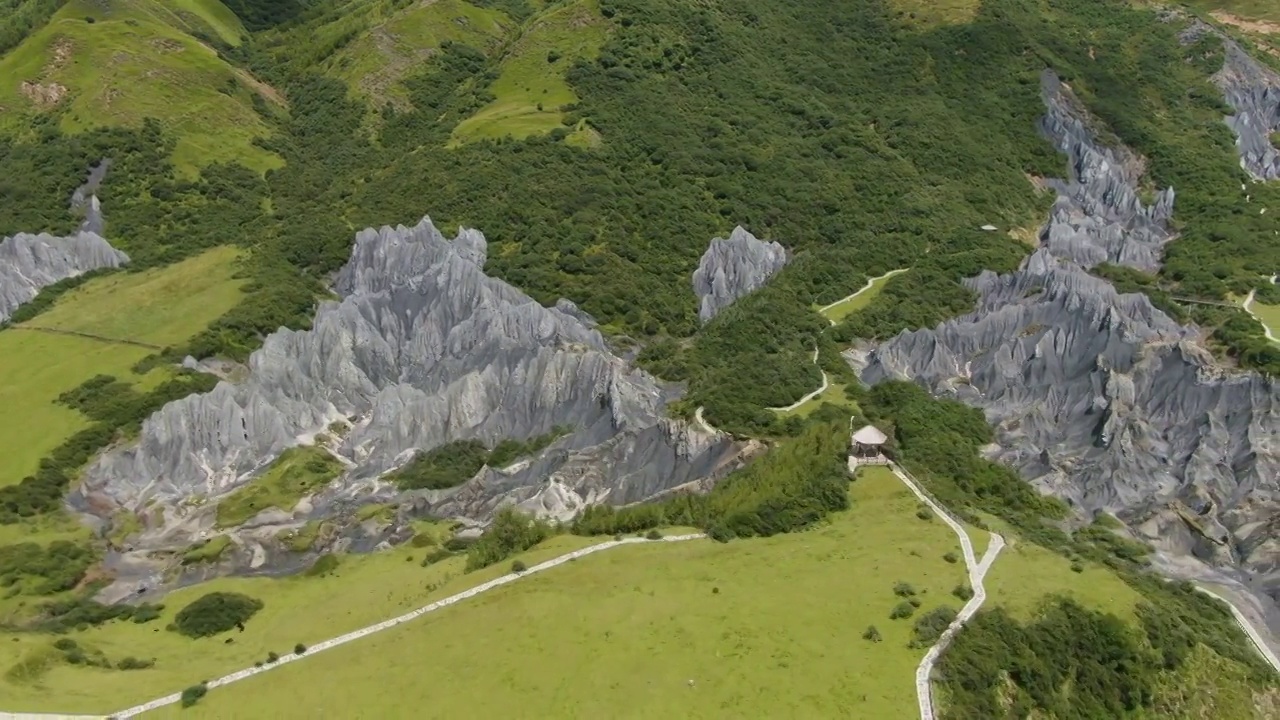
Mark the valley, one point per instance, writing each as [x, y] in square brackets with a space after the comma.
[368, 305]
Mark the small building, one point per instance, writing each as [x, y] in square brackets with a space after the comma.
[867, 444]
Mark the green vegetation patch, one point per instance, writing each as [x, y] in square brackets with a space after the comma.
[297, 472]
[135, 59]
[1268, 315]
[531, 92]
[215, 613]
[454, 463]
[732, 618]
[401, 42]
[207, 551]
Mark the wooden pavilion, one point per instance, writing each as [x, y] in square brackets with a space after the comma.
[866, 446]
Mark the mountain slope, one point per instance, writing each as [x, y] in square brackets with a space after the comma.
[115, 63]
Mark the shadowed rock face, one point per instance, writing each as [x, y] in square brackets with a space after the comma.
[422, 349]
[1097, 396]
[732, 268]
[29, 263]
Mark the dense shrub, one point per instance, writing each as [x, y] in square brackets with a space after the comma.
[518, 566]
[930, 626]
[214, 613]
[902, 610]
[872, 634]
[510, 532]
[193, 694]
[299, 649]
[133, 663]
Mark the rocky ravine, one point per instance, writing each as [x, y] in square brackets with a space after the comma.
[1102, 399]
[423, 348]
[31, 262]
[732, 268]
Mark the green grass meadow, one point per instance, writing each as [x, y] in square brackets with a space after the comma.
[1269, 315]
[763, 628]
[137, 59]
[156, 307]
[531, 87]
[363, 590]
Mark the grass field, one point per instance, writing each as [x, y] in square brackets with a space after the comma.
[764, 628]
[1268, 315]
[531, 88]
[1264, 10]
[363, 590]
[137, 59]
[932, 13]
[839, 311]
[158, 307]
[1025, 575]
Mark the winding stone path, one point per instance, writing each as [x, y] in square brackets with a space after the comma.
[810, 396]
[977, 573]
[871, 282]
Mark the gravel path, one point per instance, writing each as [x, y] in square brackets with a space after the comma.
[977, 573]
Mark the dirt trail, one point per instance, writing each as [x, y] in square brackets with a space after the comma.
[87, 336]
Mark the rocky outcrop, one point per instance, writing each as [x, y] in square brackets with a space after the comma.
[31, 262]
[1253, 91]
[423, 348]
[1097, 396]
[1098, 216]
[732, 268]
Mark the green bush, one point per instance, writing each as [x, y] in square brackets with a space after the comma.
[904, 589]
[518, 566]
[653, 535]
[299, 649]
[872, 634]
[510, 532]
[215, 613]
[964, 592]
[436, 556]
[193, 694]
[902, 610]
[272, 657]
[951, 557]
[133, 663]
[930, 626]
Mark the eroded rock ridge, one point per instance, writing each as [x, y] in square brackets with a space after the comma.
[1097, 396]
[733, 267]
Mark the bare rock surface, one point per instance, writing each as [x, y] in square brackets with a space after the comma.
[732, 268]
[30, 262]
[1253, 91]
[1102, 399]
[423, 348]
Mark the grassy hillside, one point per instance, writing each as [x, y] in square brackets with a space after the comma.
[101, 328]
[115, 63]
[375, 45]
[531, 91]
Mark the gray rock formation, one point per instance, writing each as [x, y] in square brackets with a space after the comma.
[31, 262]
[1098, 216]
[732, 268]
[1100, 398]
[1253, 91]
[423, 348]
